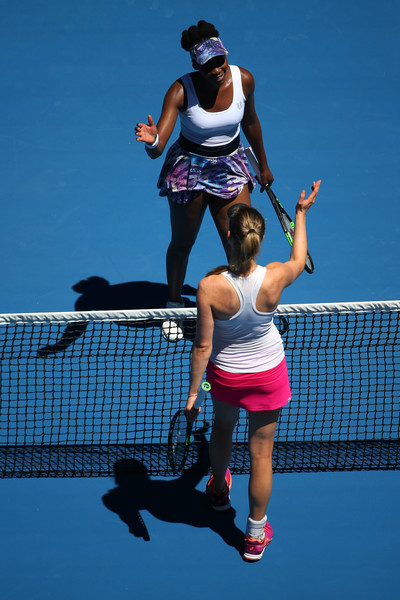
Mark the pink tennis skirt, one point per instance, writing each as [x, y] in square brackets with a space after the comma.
[267, 390]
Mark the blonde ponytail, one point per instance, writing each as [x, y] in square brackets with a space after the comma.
[247, 227]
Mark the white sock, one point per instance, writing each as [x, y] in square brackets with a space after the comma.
[255, 529]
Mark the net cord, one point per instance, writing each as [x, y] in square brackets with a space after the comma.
[283, 309]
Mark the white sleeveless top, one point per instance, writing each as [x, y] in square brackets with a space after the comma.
[247, 342]
[212, 128]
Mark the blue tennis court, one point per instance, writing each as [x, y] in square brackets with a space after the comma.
[79, 200]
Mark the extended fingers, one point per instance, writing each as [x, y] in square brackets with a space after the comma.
[315, 186]
[139, 127]
[142, 131]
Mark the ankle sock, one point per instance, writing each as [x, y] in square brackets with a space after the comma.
[255, 529]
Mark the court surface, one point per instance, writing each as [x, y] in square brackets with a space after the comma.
[78, 200]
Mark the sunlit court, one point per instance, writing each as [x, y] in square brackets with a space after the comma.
[91, 504]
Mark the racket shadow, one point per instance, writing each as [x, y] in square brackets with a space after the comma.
[171, 500]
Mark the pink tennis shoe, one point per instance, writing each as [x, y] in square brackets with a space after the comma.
[221, 501]
[254, 548]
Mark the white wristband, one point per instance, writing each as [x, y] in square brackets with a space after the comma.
[154, 144]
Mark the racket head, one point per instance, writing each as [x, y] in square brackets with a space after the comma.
[284, 219]
[309, 266]
[288, 226]
[178, 441]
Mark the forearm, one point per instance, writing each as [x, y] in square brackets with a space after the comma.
[253, 134]
[153, 151]
[298, 254]
[200, 358]
[156, 136]
[156, 147]
[299, 249]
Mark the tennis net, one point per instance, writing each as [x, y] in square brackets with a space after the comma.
[82, 391]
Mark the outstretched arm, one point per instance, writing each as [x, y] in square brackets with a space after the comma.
[290, 270]
[159, 134]
[298, 254]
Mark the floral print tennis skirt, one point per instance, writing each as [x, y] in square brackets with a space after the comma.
[184, 174]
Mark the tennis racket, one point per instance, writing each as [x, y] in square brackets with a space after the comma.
[180, 431]
[284, 219]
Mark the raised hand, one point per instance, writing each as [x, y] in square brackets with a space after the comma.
[146, 132]
[305, 203]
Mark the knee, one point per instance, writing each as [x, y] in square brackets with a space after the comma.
[181, 247]
[260, 449]
[223, 427]
[261, 457]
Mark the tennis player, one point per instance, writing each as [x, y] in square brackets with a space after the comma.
[207, 166]
[242, 350]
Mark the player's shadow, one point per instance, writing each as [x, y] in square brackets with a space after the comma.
[171, 500]
[96, 293]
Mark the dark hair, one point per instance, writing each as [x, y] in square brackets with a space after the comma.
[198, 33]
[247, 227]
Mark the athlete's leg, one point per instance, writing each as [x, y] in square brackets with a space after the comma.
[219, 211]
[225, 418]
[262, 426]
[185, 224]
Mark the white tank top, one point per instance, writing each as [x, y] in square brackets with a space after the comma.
[212, 128]
[247, 342]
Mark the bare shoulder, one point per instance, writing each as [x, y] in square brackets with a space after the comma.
[215, 291]
[276, 279]
[177, 85]
[273, 266]
[277, 271]
[247, 81]
[175, 94]
[279, 275]
[211, 284]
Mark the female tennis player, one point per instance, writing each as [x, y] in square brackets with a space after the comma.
[242, 350]
[207, 165]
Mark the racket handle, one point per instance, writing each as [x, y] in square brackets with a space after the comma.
[251, 157]
[204, 388]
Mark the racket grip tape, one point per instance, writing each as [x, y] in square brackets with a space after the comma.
[204, 388]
